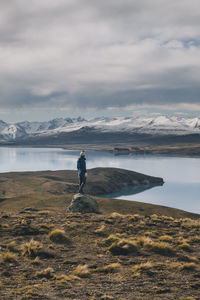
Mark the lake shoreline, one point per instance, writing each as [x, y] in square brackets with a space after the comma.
[179, 150]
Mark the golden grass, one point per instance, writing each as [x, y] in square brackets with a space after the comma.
[64, 278]
[161, 248]
[123, 247]
[165, 238]
[143, 267]
[189, 267]
[8, 257]
[31, 248]
[12, 246]
[185, 246]
[82, 271]
[47, 273]
[59, 236]
[111, 239]
[111, 268]
[100, 230]
[117, 215]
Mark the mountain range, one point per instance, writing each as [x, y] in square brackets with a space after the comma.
[128, 126]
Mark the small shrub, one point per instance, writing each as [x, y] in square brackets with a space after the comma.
[59, 236]
[189, 267]
[82, 271]
[8, 257]
[111, 268]
[46, 273]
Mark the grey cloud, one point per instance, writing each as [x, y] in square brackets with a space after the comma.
[84, 53]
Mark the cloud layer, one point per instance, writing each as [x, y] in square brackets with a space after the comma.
[99, 54]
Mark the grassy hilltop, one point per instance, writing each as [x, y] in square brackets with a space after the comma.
[130, 250]
[48, 255]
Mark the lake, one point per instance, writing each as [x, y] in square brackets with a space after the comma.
[181, 175]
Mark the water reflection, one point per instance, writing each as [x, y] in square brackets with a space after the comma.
[131, 190]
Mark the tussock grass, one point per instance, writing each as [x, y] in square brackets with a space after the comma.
[59, 236]
[143, 241]
[4, 225]
[8, 257]
[140, 268]
[111, 268]
[135, 218]
[111, 239]
[123, 247]
[31, 248]
[165, 238]
[117, 215]
[46, 226]
[185, 246]
[188, 267]
[101, 230]
[43, 212]
[64, 278]
[12, 246]
[190, 223]
[194, 239]
[82, 271]
[161, 248]
[47, 273]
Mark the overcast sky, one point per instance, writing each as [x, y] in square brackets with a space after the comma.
[110, 57]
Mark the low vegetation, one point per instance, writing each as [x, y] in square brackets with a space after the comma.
[59, 236]
[114, 256]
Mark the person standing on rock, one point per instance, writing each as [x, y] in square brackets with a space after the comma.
[82, 171]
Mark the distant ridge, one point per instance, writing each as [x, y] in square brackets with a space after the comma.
[132, 127]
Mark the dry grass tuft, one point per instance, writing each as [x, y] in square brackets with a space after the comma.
[82, 271]
[185, 246]
[161, 248]
[111, 268]
[43, 212]
[101, 230]
[64, 278]
[59, 236]
[12, 246]
[46, 273]
[111, 239]
[165, 238]
[117, 215]
[189, 267]
[31, 248]
[8, 257]
[123, 247]
[141, 268]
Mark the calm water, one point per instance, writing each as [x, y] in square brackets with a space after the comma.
[181, 175]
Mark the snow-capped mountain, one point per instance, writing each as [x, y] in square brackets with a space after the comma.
[161, 125]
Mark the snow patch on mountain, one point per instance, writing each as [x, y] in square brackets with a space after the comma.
[161, 125]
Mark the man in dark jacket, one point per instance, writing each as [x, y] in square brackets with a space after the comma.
[82, 171]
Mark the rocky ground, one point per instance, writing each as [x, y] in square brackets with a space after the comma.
[58, 255]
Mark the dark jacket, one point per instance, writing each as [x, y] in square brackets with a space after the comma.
[81, 165]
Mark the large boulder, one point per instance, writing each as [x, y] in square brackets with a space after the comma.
[83, 204]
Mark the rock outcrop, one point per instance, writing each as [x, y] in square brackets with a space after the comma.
[83, 204]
